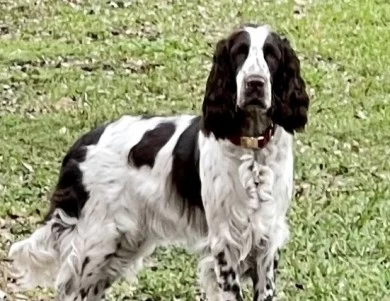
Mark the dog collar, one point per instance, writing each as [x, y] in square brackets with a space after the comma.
[254, 142]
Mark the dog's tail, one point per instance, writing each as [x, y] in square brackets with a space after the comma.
[36, 259]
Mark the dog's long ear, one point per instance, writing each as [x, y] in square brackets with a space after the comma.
[219, 104]
[291, 100]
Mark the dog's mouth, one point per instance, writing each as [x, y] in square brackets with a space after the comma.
[256, 106]
[255, 100]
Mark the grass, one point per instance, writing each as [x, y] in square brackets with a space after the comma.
[68, 65]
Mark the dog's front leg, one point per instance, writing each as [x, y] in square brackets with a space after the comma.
[227, 274]
[264, 277]
[228, 214]
[219, 272]
[229, 243]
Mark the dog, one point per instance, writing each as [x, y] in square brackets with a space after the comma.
[221, 183]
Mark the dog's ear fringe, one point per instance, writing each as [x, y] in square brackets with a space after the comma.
[219, 107]
[292, 103]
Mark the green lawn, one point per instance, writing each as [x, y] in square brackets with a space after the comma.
[66, 66]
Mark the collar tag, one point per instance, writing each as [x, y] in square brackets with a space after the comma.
[250, 142]
[255, 142]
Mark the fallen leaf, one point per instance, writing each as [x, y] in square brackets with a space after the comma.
[361, 115]
[28, 167]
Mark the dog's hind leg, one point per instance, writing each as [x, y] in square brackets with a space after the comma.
[82, 273]
[97, 273]
[100, 253]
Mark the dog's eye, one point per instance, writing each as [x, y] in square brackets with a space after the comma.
[240, 49]
[272, 56]
[271, 51]
[239, 53]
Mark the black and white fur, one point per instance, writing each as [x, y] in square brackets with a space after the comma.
[140, 182]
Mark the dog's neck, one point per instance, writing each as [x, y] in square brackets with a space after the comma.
[256, 131]
[256, 123]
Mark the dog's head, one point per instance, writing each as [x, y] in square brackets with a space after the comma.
[255, 78]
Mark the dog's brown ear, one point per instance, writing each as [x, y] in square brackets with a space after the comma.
[220, 96]
[291, 99]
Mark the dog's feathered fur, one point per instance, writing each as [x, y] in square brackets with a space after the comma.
[137, 183]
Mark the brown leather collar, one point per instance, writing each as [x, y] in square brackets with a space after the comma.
[254, 142]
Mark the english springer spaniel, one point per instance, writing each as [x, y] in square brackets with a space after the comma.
[221, 182]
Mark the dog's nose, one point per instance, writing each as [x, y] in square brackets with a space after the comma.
[254, 90]
[254, 83]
